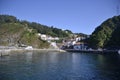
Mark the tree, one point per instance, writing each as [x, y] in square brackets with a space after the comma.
[106, 34]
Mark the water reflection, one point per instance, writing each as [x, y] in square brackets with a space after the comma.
[109, 66]
[59, 66]
[28, 56]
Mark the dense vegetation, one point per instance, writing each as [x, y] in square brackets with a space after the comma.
[81, 34]
[43, 29]
[14, 33]
[107, 35]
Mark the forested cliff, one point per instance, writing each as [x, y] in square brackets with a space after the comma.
[107, 35]
[16, 32]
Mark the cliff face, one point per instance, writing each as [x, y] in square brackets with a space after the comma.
[107, 35]
[13, 33]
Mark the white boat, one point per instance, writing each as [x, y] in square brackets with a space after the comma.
[118, 51]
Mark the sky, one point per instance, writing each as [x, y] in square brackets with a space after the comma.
[79, 16]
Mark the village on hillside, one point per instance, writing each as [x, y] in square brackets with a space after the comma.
[76, 42]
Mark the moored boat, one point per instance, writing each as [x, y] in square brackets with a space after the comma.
[118, 51]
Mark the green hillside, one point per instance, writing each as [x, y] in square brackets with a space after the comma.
[107, 35]
[14, 33]
[49, 30]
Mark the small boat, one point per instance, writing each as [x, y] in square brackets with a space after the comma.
[118, 51]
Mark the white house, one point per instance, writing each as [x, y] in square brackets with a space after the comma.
[73, 42]
[29, 48]
[43, 37]
[50, 38]
[78, 39]
[56, 38]
[54, 45]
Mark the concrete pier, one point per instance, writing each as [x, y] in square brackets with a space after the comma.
[92, 51]
[4, 52]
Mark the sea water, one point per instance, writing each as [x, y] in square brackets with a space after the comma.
[59, 66]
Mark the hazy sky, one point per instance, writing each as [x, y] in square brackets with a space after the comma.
[76, 15]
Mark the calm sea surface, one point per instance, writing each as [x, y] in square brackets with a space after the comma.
[59, 66]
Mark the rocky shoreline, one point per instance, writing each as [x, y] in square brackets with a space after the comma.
[7, 51]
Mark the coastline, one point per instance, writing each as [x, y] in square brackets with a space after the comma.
[93, 51]
[7, 51]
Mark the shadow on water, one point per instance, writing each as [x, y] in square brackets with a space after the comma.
[59, 66]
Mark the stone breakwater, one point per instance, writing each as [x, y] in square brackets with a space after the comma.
[5, 52]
